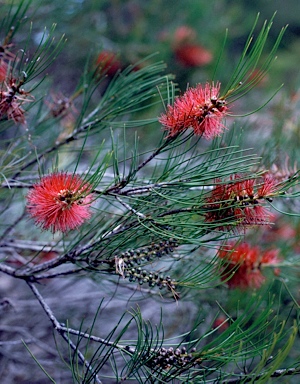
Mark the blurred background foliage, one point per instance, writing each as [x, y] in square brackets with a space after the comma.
[134, 29]
[187, 35]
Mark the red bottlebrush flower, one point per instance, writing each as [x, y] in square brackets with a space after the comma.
[240, 202]
[192, 55]
[199, 108]
[188, 52]
[243, 267]
[60, 202]
[108, 63]
[268, 186]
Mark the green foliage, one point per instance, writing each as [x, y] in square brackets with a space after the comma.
[153, 236]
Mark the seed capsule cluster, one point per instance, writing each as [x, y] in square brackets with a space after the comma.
[168, 358]
[151, 278]
[148, 253]
[127, 265]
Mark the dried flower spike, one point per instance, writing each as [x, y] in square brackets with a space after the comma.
[243, 267]
[11, 100]
[61, 106]
[199, 108]
[5, 53]
[60, 202]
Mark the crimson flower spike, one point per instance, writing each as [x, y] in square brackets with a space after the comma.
[60, 202]
[239, 202]
[203, 109]
[200, 108]
[243, 265]
[11, 101]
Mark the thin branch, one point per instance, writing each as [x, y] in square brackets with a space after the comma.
[145, 189]
[140, 190]
[125, 181]
[27, 274]
[127, 206]
[153, 155]
[32, 245]
[58, 274]
[45, 306]
[175, 211]
[116, 231]
[71, 256]
[8, 270]
[81, 356]
[63, 331]
[15, 184]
